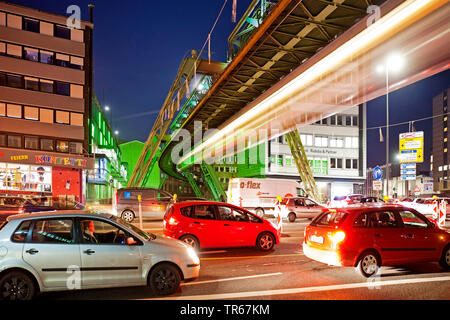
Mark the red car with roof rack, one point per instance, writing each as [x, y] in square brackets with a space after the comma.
[371, 236]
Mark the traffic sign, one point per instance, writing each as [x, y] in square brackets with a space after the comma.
[377, 185]
[377, 173]
[409, 177]
[408, 171]
[411, 147]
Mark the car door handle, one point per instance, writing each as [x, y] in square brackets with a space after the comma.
[227, 225]
[89, 252]
[32, 251]
[196, 222]
[408, 236]
[378, 235]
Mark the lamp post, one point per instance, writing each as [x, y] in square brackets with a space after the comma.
[393, 63]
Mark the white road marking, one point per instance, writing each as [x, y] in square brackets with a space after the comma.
[370, 284]
[233, 279]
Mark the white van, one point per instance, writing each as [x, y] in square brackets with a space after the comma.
[260, 195]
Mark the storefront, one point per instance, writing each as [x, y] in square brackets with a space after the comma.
[47, 174]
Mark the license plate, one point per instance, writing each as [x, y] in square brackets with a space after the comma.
[316, 239]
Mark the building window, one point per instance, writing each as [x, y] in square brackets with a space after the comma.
[31, 113]
[355, 142]
[31, 143]
[62, 88]
[348, 163]
[348, 142]
[14, 111]
[339, 163]
[14, 141]
[62, 60]
[47, 86]
[348, 120]
[2, 140]
[2, 109]
[280, 160]
[355, 121]
[46, 28]
[355, 163]
[321, 141]
[13, 50]
[332, 163]
[336, 142]
[76, 119]
[76, 63]
[62, 117]
[76, 147]
[31, 83]
[339, 120]
[14, 21]
[47, 144]
[333, 120]
[31, 54]
[62, 146]
[62, 32]
[31, 25]
[14, 81]
[46, 57]
[46, 115]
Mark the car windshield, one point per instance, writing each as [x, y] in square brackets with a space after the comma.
[145, 235]
[340, 198]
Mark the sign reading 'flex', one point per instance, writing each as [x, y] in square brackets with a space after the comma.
[411, 147]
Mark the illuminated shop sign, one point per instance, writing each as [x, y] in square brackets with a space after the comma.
[61, 161]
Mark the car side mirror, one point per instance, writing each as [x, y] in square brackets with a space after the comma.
[131, 241]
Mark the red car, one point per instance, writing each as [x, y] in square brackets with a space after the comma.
[368, 237]
[204, 224]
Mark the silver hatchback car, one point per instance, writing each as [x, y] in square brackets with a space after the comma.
[72, 250]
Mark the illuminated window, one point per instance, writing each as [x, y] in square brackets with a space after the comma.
[31, 113]
[46, 115]
[62, 117]
[14, 111]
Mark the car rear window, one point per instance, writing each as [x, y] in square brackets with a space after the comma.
[329, 219]
[168, 212]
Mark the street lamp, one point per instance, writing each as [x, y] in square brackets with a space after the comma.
[116, 132]
[393, 63]
[106, 108]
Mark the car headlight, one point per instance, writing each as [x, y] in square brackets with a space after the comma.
[193, 255]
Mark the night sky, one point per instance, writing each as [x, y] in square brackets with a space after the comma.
[139, 45]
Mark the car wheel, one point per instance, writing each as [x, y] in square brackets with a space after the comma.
[291, 217]
[265, 241]
[191, 240]
[259, 212]
[445, 258]
[17, 285]
[369, 264]
[128, 215]
[165, 279]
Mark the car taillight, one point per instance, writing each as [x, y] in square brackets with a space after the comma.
[20, 211]
[115, 198]
[172, 221]
[338, 237]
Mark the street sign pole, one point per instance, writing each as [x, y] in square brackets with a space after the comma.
[140, 211]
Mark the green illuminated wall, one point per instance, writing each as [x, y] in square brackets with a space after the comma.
[130, 154]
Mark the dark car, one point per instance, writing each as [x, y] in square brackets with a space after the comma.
[17, 205]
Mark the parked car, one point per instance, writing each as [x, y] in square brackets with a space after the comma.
[368, 237]
[206, 224]
[44, 251]
[16, 205]
[425, 205]
[343, 201]
[301, 207]
[153, 203]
